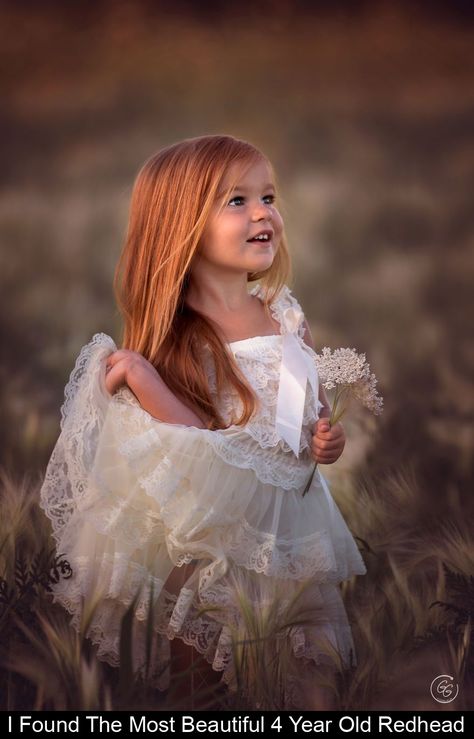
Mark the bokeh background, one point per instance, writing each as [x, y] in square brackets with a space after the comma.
[366, 110]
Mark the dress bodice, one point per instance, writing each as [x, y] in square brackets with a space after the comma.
[260, 358]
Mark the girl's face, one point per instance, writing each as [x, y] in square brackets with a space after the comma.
[249, 211]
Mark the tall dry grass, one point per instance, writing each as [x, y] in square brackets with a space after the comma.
[411, 617]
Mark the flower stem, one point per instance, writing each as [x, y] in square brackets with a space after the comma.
[308, 484]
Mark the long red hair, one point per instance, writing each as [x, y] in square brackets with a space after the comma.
[172, 198]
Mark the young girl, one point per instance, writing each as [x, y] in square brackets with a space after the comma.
[183, 456]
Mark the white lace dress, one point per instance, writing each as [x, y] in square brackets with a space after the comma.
[131, 498]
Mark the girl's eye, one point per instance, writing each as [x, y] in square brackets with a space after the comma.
[240, 197]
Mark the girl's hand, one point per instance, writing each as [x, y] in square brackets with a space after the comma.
[328, 441]
[124, 366]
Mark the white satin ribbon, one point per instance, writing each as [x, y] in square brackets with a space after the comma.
[296, 369]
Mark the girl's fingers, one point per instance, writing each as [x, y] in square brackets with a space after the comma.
[333, 432]
[325, 458]
[326, 446]
[327, 454]
[114, 371]
[109, 362]
[113, 358]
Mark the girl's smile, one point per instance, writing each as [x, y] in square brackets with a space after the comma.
[263, 237]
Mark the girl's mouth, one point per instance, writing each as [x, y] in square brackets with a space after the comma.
[261, 242]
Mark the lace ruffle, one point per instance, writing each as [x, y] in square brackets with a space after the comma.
[151, 487]
[312, 556]
[184, 616]
[82, 416]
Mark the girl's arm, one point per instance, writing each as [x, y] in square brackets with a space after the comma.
[325, 411]
[126, 367]
[159, 401]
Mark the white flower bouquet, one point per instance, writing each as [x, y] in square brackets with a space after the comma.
[349, 373]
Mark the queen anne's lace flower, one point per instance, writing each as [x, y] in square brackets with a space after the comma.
[347, 368]
[349, 373]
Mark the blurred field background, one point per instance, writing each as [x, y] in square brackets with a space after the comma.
[367, 112]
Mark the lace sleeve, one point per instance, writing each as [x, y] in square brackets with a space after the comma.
[82, 414]
[288, 300]
[283, 300]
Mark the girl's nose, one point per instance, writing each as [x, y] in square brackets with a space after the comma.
[262, 210]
